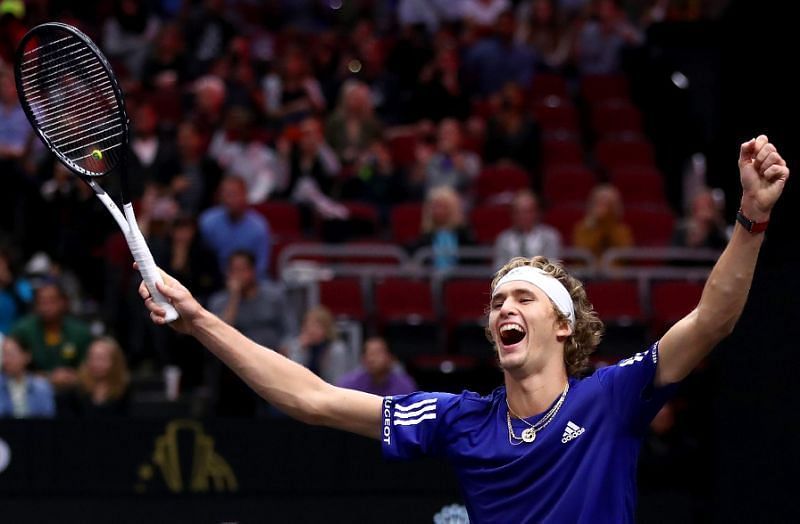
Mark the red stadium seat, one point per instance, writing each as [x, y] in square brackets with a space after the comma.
[639, 185]
[611, 154]
[406, 316]
[616, 117]
[465, 302]
[483, 108]
[616, 300]
[651, 226]
[343, 297]
[488, 221]
[618, 305]
[564, 218]
[549, 84]
[500, 182]
[600, 88]
[568, 184]
[672, 300]
[561, 152]
[363, 223]
[406, 222]
[404, 299]
[557, 116]
[283, 218]
[403, 149]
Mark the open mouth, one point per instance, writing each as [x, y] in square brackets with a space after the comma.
[511, 334]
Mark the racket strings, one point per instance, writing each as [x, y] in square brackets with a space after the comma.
[71, 96]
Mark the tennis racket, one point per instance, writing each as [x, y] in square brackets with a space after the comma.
[74, 103]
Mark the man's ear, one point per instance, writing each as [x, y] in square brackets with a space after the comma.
[563, 329]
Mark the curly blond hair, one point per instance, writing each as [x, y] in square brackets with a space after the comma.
[588, 328]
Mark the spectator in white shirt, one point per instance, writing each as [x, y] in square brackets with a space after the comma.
[527, 236]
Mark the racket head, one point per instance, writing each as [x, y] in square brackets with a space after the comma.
[71, 98]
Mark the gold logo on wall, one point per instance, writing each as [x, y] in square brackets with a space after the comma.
[207, 469]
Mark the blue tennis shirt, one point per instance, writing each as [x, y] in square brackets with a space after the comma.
[580, 468]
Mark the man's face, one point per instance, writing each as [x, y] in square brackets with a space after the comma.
[15, 360]
[233, 196]
[449, 136]
[523, 324]
[240, 268]
[525, 213]
[377, 360]
[50, 305]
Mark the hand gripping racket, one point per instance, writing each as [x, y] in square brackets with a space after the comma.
[71, 98]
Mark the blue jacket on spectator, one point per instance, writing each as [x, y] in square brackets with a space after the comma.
[40, 399]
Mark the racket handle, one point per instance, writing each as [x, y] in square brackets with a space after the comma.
[147, 266]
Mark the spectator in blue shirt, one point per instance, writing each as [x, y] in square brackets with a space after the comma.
[233, 226]
[22, 395]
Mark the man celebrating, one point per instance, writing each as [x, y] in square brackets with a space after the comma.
[548, 446]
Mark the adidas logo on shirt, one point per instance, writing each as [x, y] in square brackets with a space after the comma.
[571, 432]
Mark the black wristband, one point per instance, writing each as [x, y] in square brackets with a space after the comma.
[751, 225]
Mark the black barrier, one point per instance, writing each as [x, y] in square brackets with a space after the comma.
[205, 471]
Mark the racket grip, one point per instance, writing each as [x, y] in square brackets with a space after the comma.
[147, 266]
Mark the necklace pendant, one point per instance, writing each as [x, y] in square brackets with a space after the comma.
[528, 435]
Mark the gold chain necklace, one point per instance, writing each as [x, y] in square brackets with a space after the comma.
[528, 435]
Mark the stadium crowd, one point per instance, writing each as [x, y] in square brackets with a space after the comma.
[258, 125]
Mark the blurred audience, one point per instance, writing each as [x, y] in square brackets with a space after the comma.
[57, 341]
[527, 237]
[512, 135]
[313, 172]
[705, 225]
[319, 349]
[153, 158]
[103, 383]
[237, 151]
[483, 13]
[197, 176]
[232, 225]
[451, 165]
[440, 92]
[602, 227]
[260, 310]
[352, 127]
[292, 93]
[209, 105]
[443, 227]
[15, 131]
[603, 37]
[128, 33]
[212, 89]
[15, 141]
[380, 373]
[16, 293]
[493, 61]
[22, 394]
[256, 307]
[540, 24]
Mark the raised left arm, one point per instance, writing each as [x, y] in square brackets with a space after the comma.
[763, 175]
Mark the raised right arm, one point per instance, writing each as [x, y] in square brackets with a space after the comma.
[287, 385]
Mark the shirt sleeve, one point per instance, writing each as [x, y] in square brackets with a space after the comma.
[630, 390]
[415, 425]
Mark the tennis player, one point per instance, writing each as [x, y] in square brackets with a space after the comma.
[549, 446]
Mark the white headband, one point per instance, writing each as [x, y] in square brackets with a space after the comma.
[551, 286]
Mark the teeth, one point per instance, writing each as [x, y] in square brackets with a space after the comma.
[510, 327]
